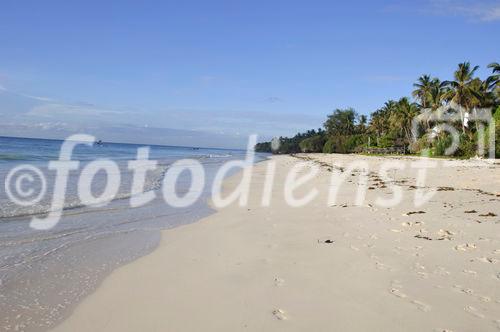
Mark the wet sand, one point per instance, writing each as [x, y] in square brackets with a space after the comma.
[321, 267]
[44, 274]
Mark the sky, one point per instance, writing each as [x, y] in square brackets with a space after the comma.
[209, 73]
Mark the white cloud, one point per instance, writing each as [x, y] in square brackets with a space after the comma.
[49, 110]
[46, 99]
[477, 10]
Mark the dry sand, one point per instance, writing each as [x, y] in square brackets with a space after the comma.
[321, 267]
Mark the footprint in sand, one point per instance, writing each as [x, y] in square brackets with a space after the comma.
[354, 248]
[441, 271]
[422, 306]
[473, 311]
[279, 314]
[278, 281]
[464, 290]
[465, 247]
[470, 272]
[417, 266]
[398, 293]
[484, 299]
[382, 266]
[487, 260]
[417, 254]
[411, 224]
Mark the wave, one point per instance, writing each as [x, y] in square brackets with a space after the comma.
[154, 182]
[214, 155]
[11, 210]
[6, 156]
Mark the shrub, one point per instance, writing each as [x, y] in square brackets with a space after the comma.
[386, 141]
[329, 146]
[354, 142]
[442, 143]
[496, 117]
[467, 147]
[312, 144]
[496, 124]
[421, 144]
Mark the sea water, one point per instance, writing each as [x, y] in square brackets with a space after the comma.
[43, 274]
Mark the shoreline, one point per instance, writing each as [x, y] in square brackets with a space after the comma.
[45, 274]
[321, 267]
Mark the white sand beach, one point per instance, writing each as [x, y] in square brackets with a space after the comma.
[321, 267]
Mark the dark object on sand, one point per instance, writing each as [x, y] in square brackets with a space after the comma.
[470, 211]
[489, 214]
[414, 212]
[418, 236]
[446, 189]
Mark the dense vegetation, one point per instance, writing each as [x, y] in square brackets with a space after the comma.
[436, 105]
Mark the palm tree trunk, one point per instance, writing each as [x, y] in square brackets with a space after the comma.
[475, 117]
[462, 117]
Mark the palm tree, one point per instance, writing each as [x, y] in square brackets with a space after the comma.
[403, 117]
[379, 121]
[362, 120]
[434, 99]
[495, 67]
[483, 93]
[422, 90]
[389, 108]
[494, 80]
[436, 93]
[460, 90]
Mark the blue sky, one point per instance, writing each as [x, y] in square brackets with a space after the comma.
[224, 68]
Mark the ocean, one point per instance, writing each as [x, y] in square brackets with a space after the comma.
[44, 273]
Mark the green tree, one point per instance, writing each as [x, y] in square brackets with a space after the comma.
[436, 94]
[483, 93]
[380, 120]
[403, 116]
[460, 90]
[341, 122]
[313, 144]
[495, 67]
[362, 121]
[422, 90]
[494, 79]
